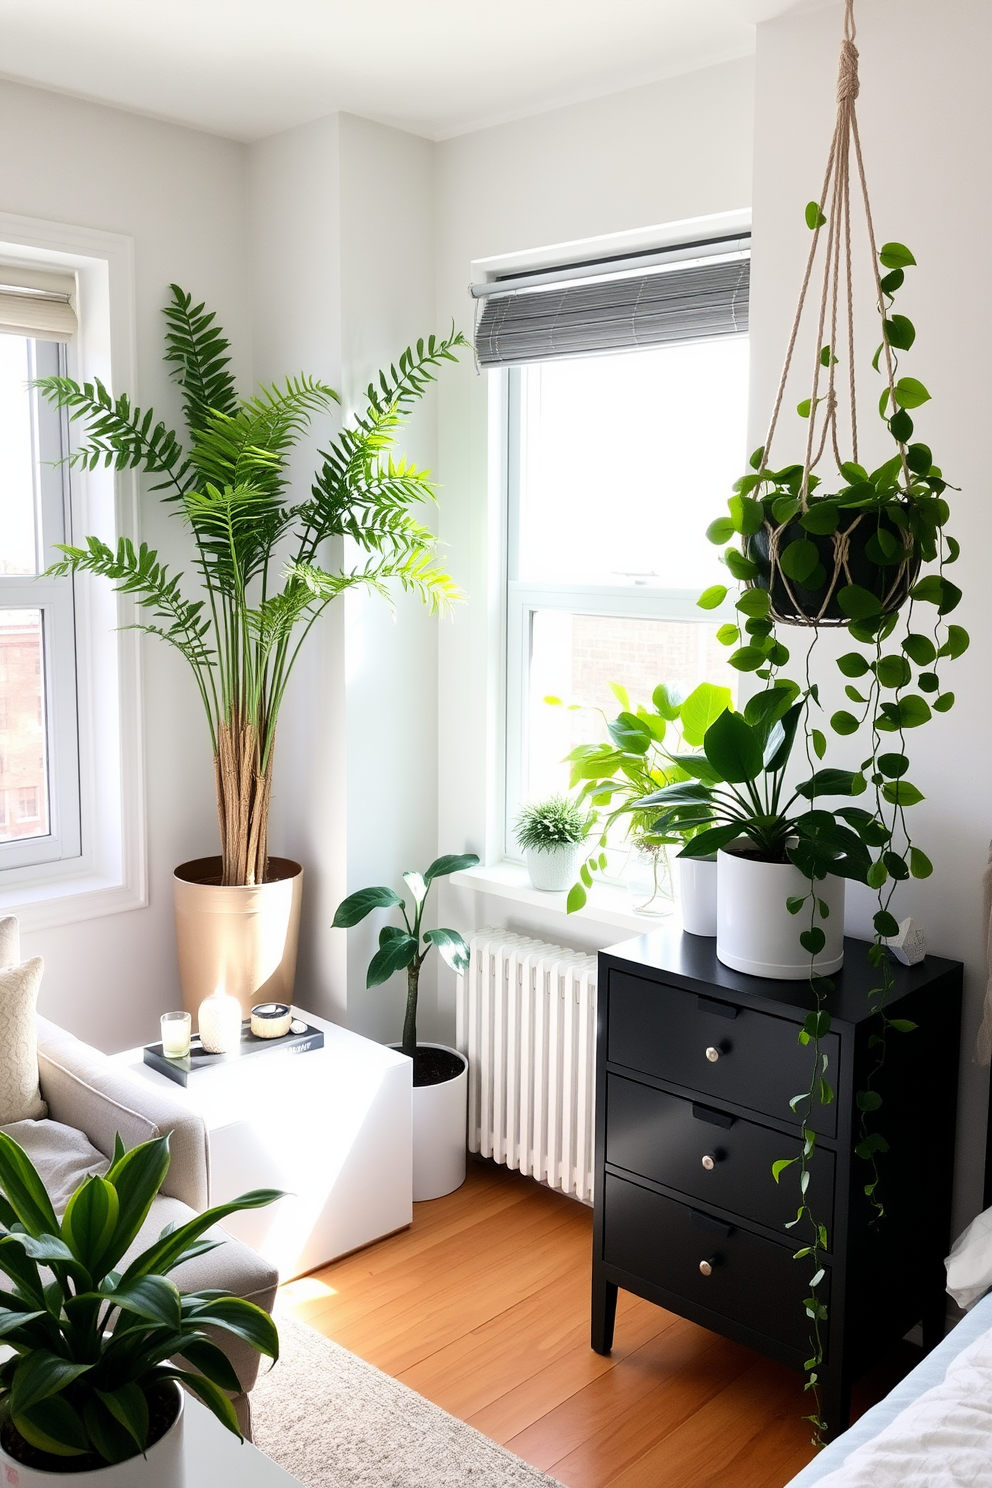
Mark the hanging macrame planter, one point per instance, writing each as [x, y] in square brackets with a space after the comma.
[853, 554]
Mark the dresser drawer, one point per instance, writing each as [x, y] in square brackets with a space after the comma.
[753, 1282]
[758, 1062]
[709, 1155]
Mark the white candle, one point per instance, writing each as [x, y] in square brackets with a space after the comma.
[219, 1022]
[175, 1035]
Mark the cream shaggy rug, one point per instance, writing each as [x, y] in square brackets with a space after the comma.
[334, 1421]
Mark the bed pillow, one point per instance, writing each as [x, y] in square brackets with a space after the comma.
[20, 1097]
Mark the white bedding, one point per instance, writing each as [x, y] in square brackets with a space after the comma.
[942, 1440]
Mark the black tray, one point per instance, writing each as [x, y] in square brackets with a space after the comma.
[300, 1039]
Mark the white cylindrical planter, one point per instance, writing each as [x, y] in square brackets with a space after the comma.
[440, 1132]
[755, 931]
[161, 1466]
[697, 891]
[553, 867]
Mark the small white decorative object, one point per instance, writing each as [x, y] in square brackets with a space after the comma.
[271, 1020]
[219, 1023]
[910, 945]
[553, 868]
[698, 896]
[175, 1034]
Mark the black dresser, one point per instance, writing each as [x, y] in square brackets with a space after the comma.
[695, 1068]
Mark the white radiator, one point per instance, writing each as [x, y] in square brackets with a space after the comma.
[527, 1021]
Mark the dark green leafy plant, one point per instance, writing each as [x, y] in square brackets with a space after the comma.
[613, 778]
[848, 556]
[94, 1340]
[403, 947]
[554, 822]
[230, 484]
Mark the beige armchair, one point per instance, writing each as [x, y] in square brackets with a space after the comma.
[85, 1093]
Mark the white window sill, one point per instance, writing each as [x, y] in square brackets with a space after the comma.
[607, 904]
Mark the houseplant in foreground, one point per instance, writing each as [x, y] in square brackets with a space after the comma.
[101, 1345]
[551, 833]
[262, 587]
[440, 1074]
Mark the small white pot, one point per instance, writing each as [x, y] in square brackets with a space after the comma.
[697, 889]
[440, 1132]
[161, 1467]
[553, 867]
[755, 931]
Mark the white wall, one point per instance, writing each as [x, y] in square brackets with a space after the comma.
[926, 167]
[629, 165]
[180, 195]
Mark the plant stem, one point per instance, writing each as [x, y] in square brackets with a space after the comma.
[409, 1045]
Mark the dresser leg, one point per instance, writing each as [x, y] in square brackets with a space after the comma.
[835, 1402]
[604, 1313]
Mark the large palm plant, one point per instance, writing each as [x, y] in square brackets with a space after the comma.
[258, 551]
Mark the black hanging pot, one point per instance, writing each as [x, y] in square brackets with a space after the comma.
[805, 572]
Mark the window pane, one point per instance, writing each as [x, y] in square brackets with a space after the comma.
[624, 461]
[23, 763]
[576, 657]
[19, 492]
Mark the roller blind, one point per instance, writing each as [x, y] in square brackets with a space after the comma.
[37, 302]
[617, 309]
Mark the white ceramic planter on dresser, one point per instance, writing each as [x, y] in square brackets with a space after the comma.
[755, 931]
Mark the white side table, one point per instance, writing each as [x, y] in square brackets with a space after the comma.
[331, 1127]
[213, 1457]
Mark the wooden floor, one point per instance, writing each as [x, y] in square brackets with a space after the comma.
[483, 1307]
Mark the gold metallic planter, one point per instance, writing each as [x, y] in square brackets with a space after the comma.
[242, 940]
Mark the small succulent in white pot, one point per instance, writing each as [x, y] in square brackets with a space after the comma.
[551, 833]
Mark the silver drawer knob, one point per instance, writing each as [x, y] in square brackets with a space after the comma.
[706, 1267]
[712, 1054]
[709, 1162]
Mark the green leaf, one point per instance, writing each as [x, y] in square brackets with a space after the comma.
[852, 664]
[755, 603]
[900, 425]
[893, 765]
[901, 793]
[903, 1025]
[912, 711]
[798, 560]
[779, 1167]
[621, 694]
[877, 875]
[702, 707]
[353, 909]
[719, 532]
[728, 635]
[897, 865]
[795, 903]
[452, 948]
[746, 514]
[885, 924]
[935, 589]
[733, 748]
[944, 703]
[415, 883]
[813, 940]
[890, 283]
[154, 1298]
[957, 642]
[576, 899]
[819, 743]
[895, 256]
[213, 1398]
[920, 865]
[814, 217]
[857, 603]
[822, 518]
[910, 393]
[784, 508]
[713, 597]
[668, 701]
[919, 648]
[53, 1425]
[901, 332]
[395, 953]
[893, 671]
[747, 659]
[90, 1222]
[844, 723]
[40, 1374]
[868, 1100]
[450, 863]
[25, 1191]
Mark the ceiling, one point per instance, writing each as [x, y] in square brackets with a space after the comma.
[248, 68]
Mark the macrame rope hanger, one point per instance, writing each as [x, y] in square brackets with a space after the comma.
[836, 295]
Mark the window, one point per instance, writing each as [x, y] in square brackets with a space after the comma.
[39, 769]
[626, 404]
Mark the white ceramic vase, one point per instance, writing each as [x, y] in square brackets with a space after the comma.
[755, 931]
[553, 868]
[160, 1467]
[697, 891]
[440, 1131]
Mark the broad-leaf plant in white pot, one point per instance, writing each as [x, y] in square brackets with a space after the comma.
[257, 550]
[440, 1074]
[102, 1343]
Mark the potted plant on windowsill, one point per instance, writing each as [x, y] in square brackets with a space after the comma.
[257, 555]
[102, 1344]
[440, 1074]
[773, 855]
[551, 833]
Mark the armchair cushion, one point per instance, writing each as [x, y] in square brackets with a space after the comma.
[61, 1154]
[20, 1098]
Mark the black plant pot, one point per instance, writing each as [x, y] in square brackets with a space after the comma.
[843, 561]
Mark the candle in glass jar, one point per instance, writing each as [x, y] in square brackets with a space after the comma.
[175, 1035]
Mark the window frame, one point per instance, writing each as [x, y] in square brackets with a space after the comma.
[523, 598]
[110, 873]
[55, 599]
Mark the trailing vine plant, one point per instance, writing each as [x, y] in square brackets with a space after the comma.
[818, 551]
